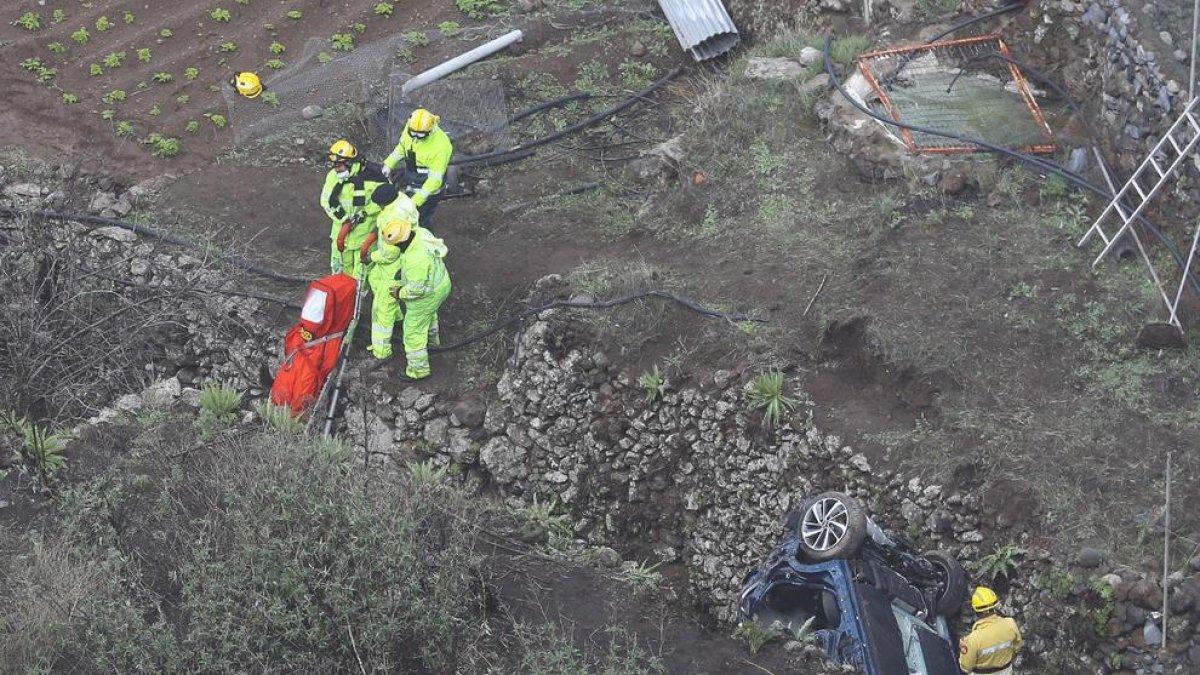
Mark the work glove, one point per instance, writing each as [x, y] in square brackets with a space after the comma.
[342, 234]
[419, 198]
[364, 251]
[387, 171]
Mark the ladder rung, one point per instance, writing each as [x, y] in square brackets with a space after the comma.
[1137, 187]
[1157, 168]
[1178, 150]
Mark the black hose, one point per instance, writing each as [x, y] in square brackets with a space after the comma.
[601, 304]
[155, 234]
[501, 155]
[1045, 165]
[552, 103]
[904, 61]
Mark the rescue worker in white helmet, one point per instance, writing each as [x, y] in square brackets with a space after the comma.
[994, 641]
[345, 198]
[247, 84]
[407, 266]
[424, 149]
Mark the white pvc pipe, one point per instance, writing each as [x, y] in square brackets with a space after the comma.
[461, 61]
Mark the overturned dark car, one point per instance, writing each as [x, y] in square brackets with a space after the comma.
[865, 595]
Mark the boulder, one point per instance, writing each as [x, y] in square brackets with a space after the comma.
[816, 86]
[772, 68]
[468, 414]
[310, 112]
[25, 190]
[1145, 594]
[114, 233]
[504, 460]
[1089, 558]
[101, 202]
[810, 55]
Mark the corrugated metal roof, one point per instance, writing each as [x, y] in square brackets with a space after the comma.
[703, 27]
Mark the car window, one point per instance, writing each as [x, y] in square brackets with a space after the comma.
[911, 629]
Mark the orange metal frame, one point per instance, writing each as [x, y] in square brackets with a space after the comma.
[1018, 79]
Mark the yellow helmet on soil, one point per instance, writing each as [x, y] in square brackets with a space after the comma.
[247, 84]
[397, 232]
[342, 151]
[984, 599]
[421, 121]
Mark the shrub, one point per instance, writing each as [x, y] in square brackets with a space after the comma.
[652, 382]
[295, 15]
[449, 28]
[128, 16]
[342, 42]
[275, 64]
[81, 36]
[124, 128]
[417, 38]
[766, 394]
[277, 48]
[218, 121]
[162, 78]
[1001, 562]
[324, 57]
[220, 14]
[144, 55]
[192, 127]
[57, 47]
[271, 99]
[69, 98]
[114, 96]
[754, 634]
[217, 401]
[166, 33]
[114, 59]
[279, 419]
[384, 8]
[478, 9]
[103, 24]
[41, 451]
[154, 111]
[95, 69]
[58, 16]
[182, 99]
[191, 73]
[227, 47]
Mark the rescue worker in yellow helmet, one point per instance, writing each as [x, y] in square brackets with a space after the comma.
[992, 645]
[425, 151]
[247, 84]
[407, 266]
[345, 197]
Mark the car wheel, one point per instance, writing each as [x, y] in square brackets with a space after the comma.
[953, 583]
[832, 525]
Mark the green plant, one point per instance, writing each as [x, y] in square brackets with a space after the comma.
[128, 16]
[154, 111]
[637, 74]
[144, 55]
[69, 98]
[426, 473]
[58, 16]
[342, 42]
[1103, 612]
[767, 394]
[103, 24]
[754, 634]
[242, 2]
[845, 50]
[220, 14]
[81, 36]
[192, 127]
[162, 78]
[227, 47]
[32, 64]
[652, 382]
[114, 96]
[384, 8]
[57, 47]
[218, 121]
[124, 128]
[1060, 582]
[1054, 187]
[1001, 562]
[44, 75]
[191, 73]
[108, 115]
[218, 402]
[39, 450]
[95, 69]
[275, 64]
[277, 48]
[449, 28]
[541, 520]
[279, 418]
[478, 9]
[114, 60]
[295, 15]
[417, 38]
[642, 573]
[324, 57]
[166, 33]
[182, 99]
[30, 21]
[271, 99]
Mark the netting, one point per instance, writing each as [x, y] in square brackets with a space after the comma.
[360, 93]
[961, 87]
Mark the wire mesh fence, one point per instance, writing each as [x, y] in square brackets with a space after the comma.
[965, 87]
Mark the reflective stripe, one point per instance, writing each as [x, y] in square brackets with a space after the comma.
[1007, 644]
[436, 175]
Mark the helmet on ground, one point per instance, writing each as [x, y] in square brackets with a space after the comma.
[421, 122]
[397, 232]
[247, 84]
[342, 151]
[984, 599]
[385, 194]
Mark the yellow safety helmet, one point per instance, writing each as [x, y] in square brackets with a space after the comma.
[397, 232]
[421, 121]
[342, 151]
[984, 599]
[247, 84]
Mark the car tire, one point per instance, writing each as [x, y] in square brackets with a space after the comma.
[954, 583]
[832, 525]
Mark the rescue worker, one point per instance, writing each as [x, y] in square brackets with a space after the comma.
[407, 266]
[994, 640]
[425, 150]
[347, 191]
[247, 84]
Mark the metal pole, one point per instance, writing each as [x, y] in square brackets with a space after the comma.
[1166, 556]
[1192, 71]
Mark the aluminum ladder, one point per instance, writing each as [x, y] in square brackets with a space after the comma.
[1171, 150]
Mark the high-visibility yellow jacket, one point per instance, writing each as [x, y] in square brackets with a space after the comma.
[343, 198]
[421, 269]
[429, 157]
[991, 645]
